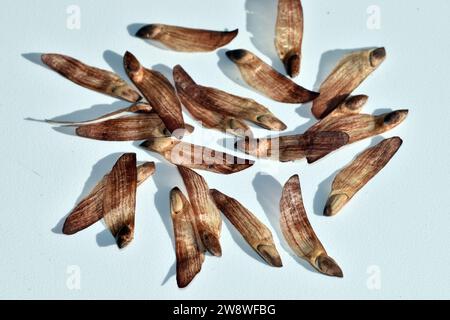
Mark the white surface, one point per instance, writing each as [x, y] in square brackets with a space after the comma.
[399, 222]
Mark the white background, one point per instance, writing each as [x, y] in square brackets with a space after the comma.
[397, 225]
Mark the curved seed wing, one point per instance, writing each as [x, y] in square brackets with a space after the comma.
[289, 35]
[158, 91]
[350, 72]
[90, 209]
[119, 199]
[257, 235]
[267, 80]
[187, 39]
[191, 97]
[132, 128]
[196, 157]
[188, 249]
[294, 147]
[208, 219]
[99, 80]
[223, 102]
[359, 172]
[299, 233]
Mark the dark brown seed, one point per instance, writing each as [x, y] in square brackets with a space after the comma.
[159, 92]
[90, 209]
[359, 172]
[119, 199]
[350, 72]
[223, 103]
[92, 78]
[188, 248]
[208, 219]
[289, 35]
[346, 118]
[299, 233]
[257, 235]
[186, 39]
[189, 96]
[196, 157]
[295, 147]
[267, 80]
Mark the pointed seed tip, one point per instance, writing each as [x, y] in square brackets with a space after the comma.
[328, 266]
[270, 254]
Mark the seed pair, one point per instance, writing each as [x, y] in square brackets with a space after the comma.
[344, 125]
[113, 199]
[220, 110]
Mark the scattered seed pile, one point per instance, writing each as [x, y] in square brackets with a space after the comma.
[155, 115]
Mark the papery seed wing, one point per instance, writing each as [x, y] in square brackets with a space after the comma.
[350, 72]
[268, 81]
[188, 249]
[89, 77]
[90, 209]
[119, 200]
[191, 96]
[289, 35]
[208, 219]
[196, 157]
[359, 172]
[131, 128]
[299, 233]
[187, 39]
[158, 91]
[359, 126]
[257, 235]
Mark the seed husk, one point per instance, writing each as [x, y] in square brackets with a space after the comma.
[257, 235]
[119, 199]
[346, 118]
[208, 118]
[134, 108]
[92, 78]
[359, 172]
[188, 249]
[299, 233]
[267, 80]
[289, 35]
[90, 209]
[207, 216]
[294, 147]
[222, 102]
[129, 128]
[195, 156]
[158, 91]
[350, 72]
[187, 39]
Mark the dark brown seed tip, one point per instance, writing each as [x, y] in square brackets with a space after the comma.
[377, 56]
[125, 237]
[328, 266]
[355, 103]
[239, 55]
[292, 64]
[68, 229]
[395, 117]
[130, 63]
[270, 255]
[335, 204]
[212, 244]
[150, 31]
